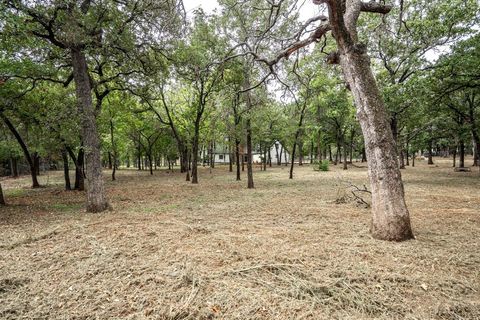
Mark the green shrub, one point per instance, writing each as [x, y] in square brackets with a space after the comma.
[321, 165]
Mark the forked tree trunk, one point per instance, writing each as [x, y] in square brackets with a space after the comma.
[96, 196]
[390, 216]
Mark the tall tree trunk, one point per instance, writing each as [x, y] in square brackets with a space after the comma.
[430, 152]
[109, 160]
[195, 150]
[36, 162]
[454, 157]
[294, 148]
[269, 156]
[390, 216]
[476, 147]
[114, 150]
[66, 174]
[96, 195]
[230, 162]
[279, 162]
[2, 198]
[391, 220]
[250, 184]
[300, 153]
[237, 157]
[407, 155]
[462, 154]
[345, 167]
[150, 162]
[402, 159]
[265, 158]
[78, 162]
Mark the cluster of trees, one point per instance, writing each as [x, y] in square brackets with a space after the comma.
[94, 84]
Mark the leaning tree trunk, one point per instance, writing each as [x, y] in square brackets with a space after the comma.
[390, 216]
[391, 219]
[2, 199]
[96, 196]
[30, 159]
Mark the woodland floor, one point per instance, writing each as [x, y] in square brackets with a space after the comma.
[286, 250]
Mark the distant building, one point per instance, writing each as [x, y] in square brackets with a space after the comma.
[221, 154]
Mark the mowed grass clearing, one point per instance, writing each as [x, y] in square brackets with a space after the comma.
[216, 250]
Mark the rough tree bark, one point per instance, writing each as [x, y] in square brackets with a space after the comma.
[96, 196]
[390, 220]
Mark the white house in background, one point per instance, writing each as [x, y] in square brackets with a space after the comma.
[221, 154]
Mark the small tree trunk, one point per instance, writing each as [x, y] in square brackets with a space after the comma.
[430, 152]
[250, 184]
[66, 174]
[279, 162]
[2, 199]
[265, 158]
[150, 162]
[345, 167]
[195, 151]
[462, 154]
[402, 159]
[230, 162]
[300, 153]
[269, 156]
[96, 195]
[237, 157]
[109, 160]
[454, 157]
[407, 156]
[114, 150]
[14, 166]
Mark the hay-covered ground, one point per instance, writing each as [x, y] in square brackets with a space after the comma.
[286, 250]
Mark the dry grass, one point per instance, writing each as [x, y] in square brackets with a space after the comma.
[286, 250]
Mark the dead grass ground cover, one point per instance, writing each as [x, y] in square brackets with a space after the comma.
[286, 250]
